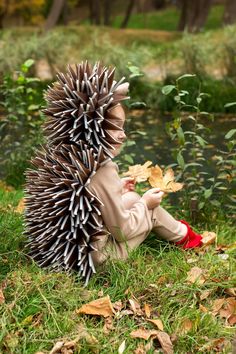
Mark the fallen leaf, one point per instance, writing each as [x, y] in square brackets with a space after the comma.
[108, 326]
[216, 306]
[195, 275]
[139, 172]
[230, 291]
[158, 323]
[147, 310]
[166, 183]
[161, 280]
[135, 307]
[208, 238]
[143, 333]
[213, 345]
[100, 307]
[118, 306]
[231, 320]
[121, 348]
[57, 347]
[165, 342]
[21, 206]
[2, 298]
[185, 326]
[140, 349]
[228, 309]
[205, 293]
[203, 308]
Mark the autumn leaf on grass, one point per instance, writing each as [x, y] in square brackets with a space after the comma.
[195, 275]
[2, 298]
[225, 308]
[162, 337]
[157, 322]
[21, 206]
[208, 238]
[100, 307]
[165, 182]
[185, 326]
[139, 172]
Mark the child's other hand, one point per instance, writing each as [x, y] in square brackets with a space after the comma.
[153, 197]
[128, 184]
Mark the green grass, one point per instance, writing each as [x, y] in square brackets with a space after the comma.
[167, 19]
[40, 306]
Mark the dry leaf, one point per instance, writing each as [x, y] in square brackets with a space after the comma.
[185, 326]
[166, 183]
[162, 279]
[196, 275]
[205, 294]
[118, 306]
[217, 304]
[108, 326]
[228, 309]
[140, 349]
[135, 307]
[203, 308]
[100, 307]
[208, 238]
[57, 347]
[147, 310]
[157, 322]
[231, 320]
[143, 333]
[230, 291]
[165, 342]
[121, 348]
[2, 298]
[213, 345]
[21, 206]
[139, 172]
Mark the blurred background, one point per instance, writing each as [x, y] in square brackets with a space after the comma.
[151, 42]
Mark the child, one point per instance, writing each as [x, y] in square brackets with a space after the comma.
[129, 217]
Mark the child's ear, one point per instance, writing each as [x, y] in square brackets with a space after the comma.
[122, 89]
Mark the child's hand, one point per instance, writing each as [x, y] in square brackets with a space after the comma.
[128, 184]
[153, 197]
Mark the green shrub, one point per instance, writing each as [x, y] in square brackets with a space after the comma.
[20, 125]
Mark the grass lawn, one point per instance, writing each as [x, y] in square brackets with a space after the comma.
[39, 307]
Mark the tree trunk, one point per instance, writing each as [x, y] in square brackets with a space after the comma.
[3, 12]
[128, 13]
[230, 12]
[107, 12]
[204, 7]
[95, 12]
[54, 14]
[193, 14]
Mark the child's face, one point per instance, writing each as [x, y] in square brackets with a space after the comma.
[119, 135]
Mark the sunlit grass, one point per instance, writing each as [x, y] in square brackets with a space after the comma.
[40, 306]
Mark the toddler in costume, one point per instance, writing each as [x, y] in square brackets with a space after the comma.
[128, 216]
[78, 211]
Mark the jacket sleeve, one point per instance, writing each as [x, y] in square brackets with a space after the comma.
[123, 224]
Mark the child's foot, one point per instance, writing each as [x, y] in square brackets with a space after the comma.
[191, 240]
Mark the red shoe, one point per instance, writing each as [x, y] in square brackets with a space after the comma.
[191, 240]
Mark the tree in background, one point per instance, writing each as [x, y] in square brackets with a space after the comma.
[193, 14]
[230, 12]
[128, 12]
[54, 14]
[29, 12]
[100, 12]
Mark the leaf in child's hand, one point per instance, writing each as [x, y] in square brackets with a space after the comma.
[139, 172]
[166, 183]
[100, 307]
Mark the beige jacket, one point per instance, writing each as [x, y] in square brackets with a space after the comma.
[122, 224]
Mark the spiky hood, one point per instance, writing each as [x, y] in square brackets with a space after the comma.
[79, 106]
[63, 217]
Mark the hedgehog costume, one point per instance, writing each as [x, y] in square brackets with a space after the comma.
[76, 211]
[62, 216]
